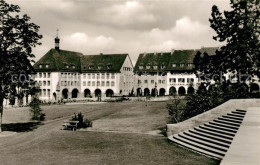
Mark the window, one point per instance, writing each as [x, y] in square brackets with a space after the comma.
[93, 75]
[40, 83]
[44, 75]
[100, 66]
[141, 67]
[190, 65]
[84, 76]
[163, 81]
[181, 80]
[93, 83]
[49, 83]
[40, 66]
[162, 66]
[145, 81]
[44, 92]
[172, 80]
[91, 67]
[190, 80]
[112, 83]
[173, 65]
[98, 83]
[98, 76]
[108, 75]
[155, 67]
[113, 76]
[84, 83]
[139, 81]
[107, 84]
[49, 75]
[47, 65]
[181, 65]
[40, 75]
[89, 76]
[152, 81]
[159, 81]
[49, 93]
[44, 83]
[148, 67]
[109, 66]
[103, 76]
[89, 83]
[102, 83]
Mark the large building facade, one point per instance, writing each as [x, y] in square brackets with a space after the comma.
[65, 74]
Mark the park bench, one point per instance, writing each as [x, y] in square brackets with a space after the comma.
[70, 125]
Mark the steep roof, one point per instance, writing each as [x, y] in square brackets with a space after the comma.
[102, 62]
[59, 60]
[154, 60]
[179, 60]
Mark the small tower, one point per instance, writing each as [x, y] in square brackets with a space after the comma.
[57, 41]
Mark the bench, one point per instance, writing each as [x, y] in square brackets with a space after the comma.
[70, 125]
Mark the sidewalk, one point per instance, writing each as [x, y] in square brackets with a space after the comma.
[245, 148]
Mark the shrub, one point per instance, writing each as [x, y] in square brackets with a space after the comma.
[36, 109]
[80, 118]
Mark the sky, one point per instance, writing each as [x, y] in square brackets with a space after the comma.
[118, 26]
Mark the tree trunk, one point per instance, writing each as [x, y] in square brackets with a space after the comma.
[1, 112]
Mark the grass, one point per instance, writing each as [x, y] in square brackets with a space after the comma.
[49, 145]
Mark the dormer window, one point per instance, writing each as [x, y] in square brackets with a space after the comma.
[100, 66]
[162, 66]
[173, 65]
[190, 65]
[91, 67]
[73, 66]
[141, 67]
[109, 66]
[47, 65]
[181, 65]
[148, 67]
[40, 66]
[67, 66]
[155, 67]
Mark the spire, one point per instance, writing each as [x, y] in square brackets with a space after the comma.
[57, 41]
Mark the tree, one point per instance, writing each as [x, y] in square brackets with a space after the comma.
[17, 38]
[35, 104]
[239, 28]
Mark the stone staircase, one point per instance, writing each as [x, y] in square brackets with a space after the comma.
[212, 138]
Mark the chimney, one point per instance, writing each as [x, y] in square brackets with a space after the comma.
[172, 51]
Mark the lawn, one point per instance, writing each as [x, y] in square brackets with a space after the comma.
[49, 145]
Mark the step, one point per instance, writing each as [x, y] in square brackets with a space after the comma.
[195, 149]
[227, 122]
[230, 120]
[238, 113]
[203, 143]
[199, 148]
[214, 136]
[235, 115]
[226, 126]
[240, 110]
[218, 131]
[220, 128]
[232, 117]
[209, 140]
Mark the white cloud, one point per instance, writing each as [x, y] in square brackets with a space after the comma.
[131, 12]
[92, 45]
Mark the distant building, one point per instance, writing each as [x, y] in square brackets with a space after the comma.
[66, 74]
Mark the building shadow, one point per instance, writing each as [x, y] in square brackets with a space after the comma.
[21, 127]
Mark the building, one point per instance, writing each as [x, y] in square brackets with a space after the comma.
[63, 74]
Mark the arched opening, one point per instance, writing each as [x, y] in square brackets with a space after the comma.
[139, 92]
[190, 90]
[97, 93]
[146, 92]
[181, 91]
[55, 96]
[87, 93]
[109, 93]
[162, 92]
[254, 87]
[65, 93]
[154, 92]
[172, 91]
[74, 93]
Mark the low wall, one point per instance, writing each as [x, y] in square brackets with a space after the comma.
[212, 114]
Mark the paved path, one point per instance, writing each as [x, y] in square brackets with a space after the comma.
[245, 148]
